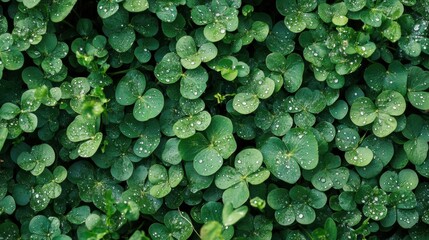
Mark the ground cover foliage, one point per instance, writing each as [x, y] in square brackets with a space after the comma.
[214, 119]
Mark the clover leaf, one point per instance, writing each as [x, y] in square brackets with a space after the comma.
[193, 118]
[374, 201]
[304, 104]
[280, 39]
[169, 69]
[298, 204]
[395, 78]
[417, 84]
[121, 31]
[190, 57]
[417, 135]
[285, 158]
[10, 57]
[212, 212]
[37, 159]
[230, 68]
[298, 14]
[421, 195]
[406, 179]
[235, 180]
[278, 120]
[136, 5]
[43, 227]
[328, 174]
[247, 100]
[391, 9]
[138, 192]
[230, 215]
[347, 139]
[130, 90]
[208, 150]
[119, 157]
[7, 205]
[388, 104]
[166, 10]
[335, 13]
[147, 134]
[401, 209]
[291, 68]
[255, 227]
[48, 54]
[83, 130]
[383, 151]
[218, 17]
[176, 224]
[162, 180]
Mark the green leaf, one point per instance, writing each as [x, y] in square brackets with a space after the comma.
[226, 177]
[347, 139]
[88, 148]
[171, 152]
[186, 47]
[245, 103]
[416, 150]
[211, 230]
[3, 135]
[31, 3]
[419, 100]
[384, 125]
[9, 111]
[303, 147]
[215, 32]
[149, 105]
[179, 224]
[407, 218]
[59, 10]
[122, 169]
[28, 122]
[280, 39]
[238, 194]
[339, 109]
[186, 127]
[278, 162]
[149, 138]
[41, 156]
[208, 161]
[248, 161]
[220, 134]
[194, 83]
[81, 129]
[7, 205]
[136, 5]
[293, 73]
[78, 215]
[130, 88]
[40, 224]
[230, 215]
[363, 111]
[391, 102]
[359, 157]
[169, 70]
[106, 8]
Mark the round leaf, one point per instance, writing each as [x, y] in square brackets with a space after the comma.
[248, 161]
[245, 103]
[359, 157]
[130, 87]
[169, 70]
[363, 111]
[149, 105]
[207, 162]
